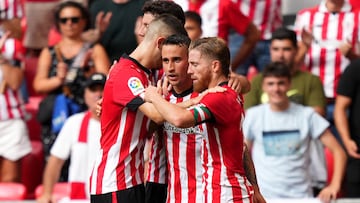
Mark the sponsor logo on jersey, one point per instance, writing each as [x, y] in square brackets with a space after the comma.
[135, 86]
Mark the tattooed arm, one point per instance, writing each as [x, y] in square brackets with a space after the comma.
[251, 175]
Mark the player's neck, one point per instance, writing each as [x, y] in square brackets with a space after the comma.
[183, 87]
[218, 80]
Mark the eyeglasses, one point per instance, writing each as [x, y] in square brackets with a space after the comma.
[72, 19]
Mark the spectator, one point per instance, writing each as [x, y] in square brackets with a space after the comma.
[334, 31]
[63, 68]
[346, 115]
[130, 76]
[280, 141]
[119, 37]
[206, 54]
[267, 17]
[78, 139]
[14, 141]
[193, 24]
[305, 89]
[219, 17]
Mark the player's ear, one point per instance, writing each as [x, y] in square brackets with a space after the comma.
[216, 66]
[159, 42]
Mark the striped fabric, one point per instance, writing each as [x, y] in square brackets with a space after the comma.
[265, 14]
[330, 31]
[120, 164]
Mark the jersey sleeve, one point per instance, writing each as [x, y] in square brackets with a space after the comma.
[129, 86]
[201, 114]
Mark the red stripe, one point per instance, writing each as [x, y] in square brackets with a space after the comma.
[196, 5]
[266, 15]
[312, 16]
[206, 172]
[6, 6]
[150, 165]
[322, 62]
[132, 167]
[157, 160]
[125, 148]
[100, 172]
[252, 9]
[191, 166]
[337, 68]
[176, 156]
[11, 115]
[114, 198]
[215, 155]
[356, 29]
[84, 128]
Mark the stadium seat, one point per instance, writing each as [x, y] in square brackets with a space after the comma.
[61, 190]
[32, 168]
[12, 191]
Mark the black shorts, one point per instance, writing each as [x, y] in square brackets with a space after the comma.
[155, 192]
[135, 194]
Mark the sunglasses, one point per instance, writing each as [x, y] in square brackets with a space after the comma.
[72, 19]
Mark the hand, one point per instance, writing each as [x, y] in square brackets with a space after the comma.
[163, 86]
[307, 37]
[150, 93]
[345, 49]
[352, 149]
[99, 107]
[258, 198]
[328, 193]
[239, 83]
[44, 198]
[102, 21]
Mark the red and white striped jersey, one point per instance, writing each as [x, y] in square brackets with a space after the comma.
[120, 162]
[330, 31]
[12, 105]
[224, 176]
[218, 17]
[11, 9]
[157, 169]
[183, 147]
[266, 15]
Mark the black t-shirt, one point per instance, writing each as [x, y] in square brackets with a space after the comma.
[349, 86]
[119, 37]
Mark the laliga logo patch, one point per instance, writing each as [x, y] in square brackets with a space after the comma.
[135, 86]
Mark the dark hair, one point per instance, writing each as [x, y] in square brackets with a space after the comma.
[177, 39]
[215, 49]
[277, 69]
[84, 13]
[283, 33]
[193, 16]
[160, 7]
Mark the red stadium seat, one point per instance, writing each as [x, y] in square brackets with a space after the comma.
[12, 191]
[32, 168]
[61, 190]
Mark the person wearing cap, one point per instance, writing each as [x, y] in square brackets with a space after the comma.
[79, 140]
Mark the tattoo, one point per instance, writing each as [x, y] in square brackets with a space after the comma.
[249, 166]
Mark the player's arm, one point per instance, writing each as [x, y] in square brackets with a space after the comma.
[251, 175]
[148, 110]
[172, 113]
